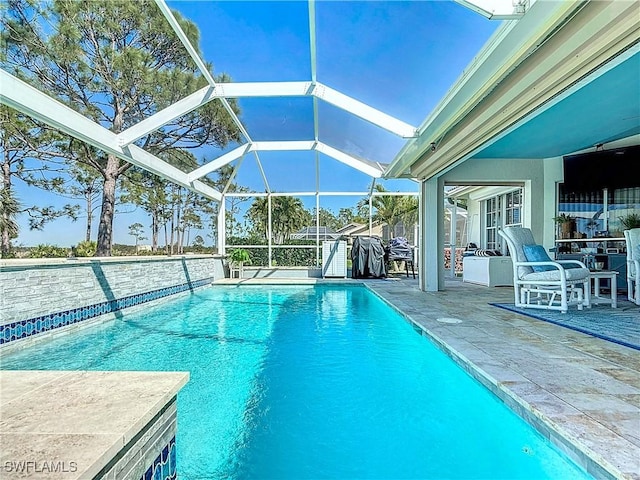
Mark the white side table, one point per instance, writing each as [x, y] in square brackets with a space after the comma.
[596, 297]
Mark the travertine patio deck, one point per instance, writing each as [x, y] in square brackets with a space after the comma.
[561, 380]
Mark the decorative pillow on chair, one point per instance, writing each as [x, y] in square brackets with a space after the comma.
[537, 253]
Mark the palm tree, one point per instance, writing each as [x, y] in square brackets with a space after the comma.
[392, 209]
[288, 216]
[258, 215]
[409, 210]
[388, 208]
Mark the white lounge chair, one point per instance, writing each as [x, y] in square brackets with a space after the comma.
[555, 286]
[632, 238]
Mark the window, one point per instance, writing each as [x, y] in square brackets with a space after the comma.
[491, 222]
[503, 210]
[513, 209]
[599, 213]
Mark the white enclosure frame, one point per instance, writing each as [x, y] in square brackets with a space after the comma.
[21, 96]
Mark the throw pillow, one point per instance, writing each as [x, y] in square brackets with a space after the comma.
[537, 253]
[487, 253]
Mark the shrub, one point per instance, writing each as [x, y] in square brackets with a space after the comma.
[85, 249]
[48, 251]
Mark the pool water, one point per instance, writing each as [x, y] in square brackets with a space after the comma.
[310, 382]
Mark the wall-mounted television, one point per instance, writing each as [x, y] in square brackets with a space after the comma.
[616, 168]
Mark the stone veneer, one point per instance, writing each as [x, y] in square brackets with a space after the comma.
[151, 454]
[41, 296]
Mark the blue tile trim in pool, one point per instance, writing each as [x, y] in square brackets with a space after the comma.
[33, 326]
[164, 466]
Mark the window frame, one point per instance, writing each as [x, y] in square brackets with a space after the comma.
[501, 207]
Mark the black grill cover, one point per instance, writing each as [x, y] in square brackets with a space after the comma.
[367, 258]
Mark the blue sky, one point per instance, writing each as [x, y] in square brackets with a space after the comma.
[399, 57]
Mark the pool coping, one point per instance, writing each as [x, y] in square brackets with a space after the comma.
[98, 419]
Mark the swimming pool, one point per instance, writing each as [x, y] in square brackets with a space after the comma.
[310, 382]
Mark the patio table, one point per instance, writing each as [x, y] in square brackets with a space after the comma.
[597, 297]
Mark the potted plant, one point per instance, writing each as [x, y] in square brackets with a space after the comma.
[630, 221]
[566, 224]
[239, 257]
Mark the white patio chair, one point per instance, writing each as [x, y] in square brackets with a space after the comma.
[563, 283]
[632, 238]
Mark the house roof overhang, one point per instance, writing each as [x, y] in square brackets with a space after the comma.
[562, 64]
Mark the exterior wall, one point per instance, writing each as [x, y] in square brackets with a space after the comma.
[553, 174]
[530, 173]
[41, 296]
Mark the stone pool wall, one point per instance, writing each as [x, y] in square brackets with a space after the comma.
[47, 296]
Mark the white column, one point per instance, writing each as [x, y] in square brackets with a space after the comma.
[318, 229]
[222, 227]
[269, 230]
[453, 235]
[370, 214]
[432, 216]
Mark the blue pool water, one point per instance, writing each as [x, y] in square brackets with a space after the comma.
[310, 382]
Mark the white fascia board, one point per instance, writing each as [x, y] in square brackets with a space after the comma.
[262, 89]
[349, 160]
[364, 111]
[508, 46]
[176, 110]
[282, 145]
[26, 99]
[219, 162]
